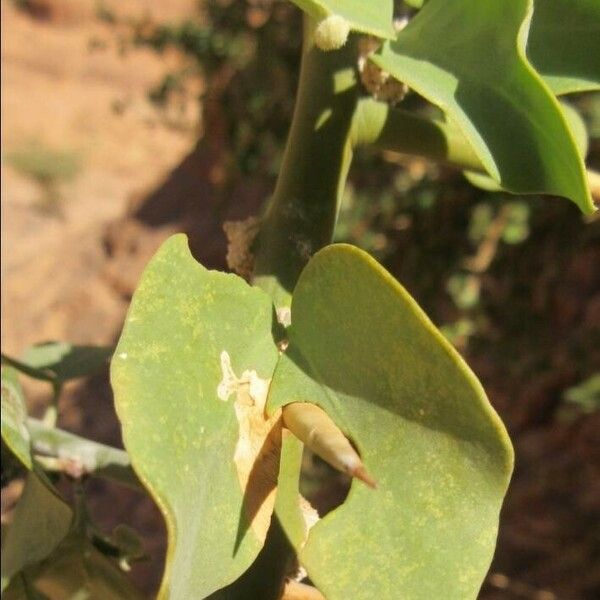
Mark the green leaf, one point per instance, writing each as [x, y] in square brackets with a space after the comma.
[373, 17]
[480, 77]
[564, 44]
[578, 131]
[190, 373]
[362, 349]
[14, 417]
[287, 505]
[63, 361]
[41, 521]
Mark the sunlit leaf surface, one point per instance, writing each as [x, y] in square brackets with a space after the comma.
[468, 57]
[362, 349]
[190, 376]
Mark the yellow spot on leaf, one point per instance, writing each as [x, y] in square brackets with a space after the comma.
[257, 451]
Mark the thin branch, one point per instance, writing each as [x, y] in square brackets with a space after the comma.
[77, 456]
[388, 128]
[51, 414]
[486, 251]
[27, 370]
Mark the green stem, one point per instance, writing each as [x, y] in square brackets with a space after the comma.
[51, 414]
[96, 459]
[302, 213]
[330, 119]
[389, 128]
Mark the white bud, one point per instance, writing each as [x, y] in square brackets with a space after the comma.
[332, 32]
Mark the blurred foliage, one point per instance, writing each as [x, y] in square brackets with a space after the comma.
[44, 164]
[249, 55]
[586, 395]
[48, 167]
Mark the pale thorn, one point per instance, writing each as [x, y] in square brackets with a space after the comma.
[313, 426]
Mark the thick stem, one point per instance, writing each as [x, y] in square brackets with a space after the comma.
[301, 216]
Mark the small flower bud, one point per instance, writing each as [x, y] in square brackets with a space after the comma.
[332, 32]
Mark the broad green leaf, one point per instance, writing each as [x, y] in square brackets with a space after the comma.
[564, 44]
[63, 361]
[41, 521]
[362, 349]
[14, 417]
[190, 373]
[481, 79]
[373, 17]
[577, 127]
[578, 131]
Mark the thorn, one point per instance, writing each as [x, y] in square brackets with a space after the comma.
[315, 428]
[301, 591]
[361, 473]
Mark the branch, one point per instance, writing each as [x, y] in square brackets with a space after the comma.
[64, 451]
[389, 128]
[34, 373]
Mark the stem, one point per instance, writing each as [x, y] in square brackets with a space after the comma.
[302, 213]
[51, 414]
[389, 128]
[94, 458]
[329, 120]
